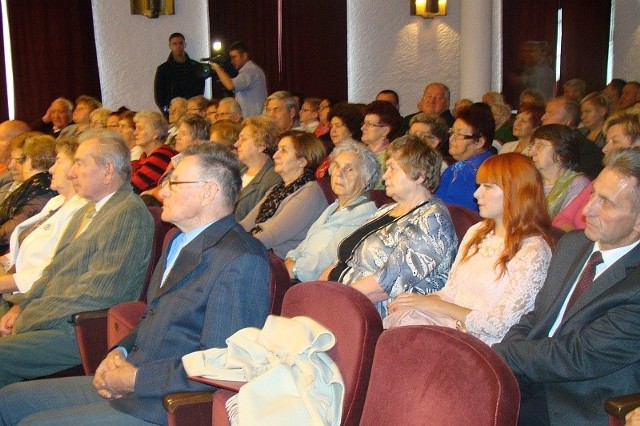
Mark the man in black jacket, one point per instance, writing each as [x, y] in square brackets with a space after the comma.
[179, 76]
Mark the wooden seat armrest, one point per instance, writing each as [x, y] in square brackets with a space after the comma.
[621, 405]
[81, 317]
[174, 401]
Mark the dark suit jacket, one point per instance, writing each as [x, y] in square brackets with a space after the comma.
[218, 285]
[252, 193]
[595, 352]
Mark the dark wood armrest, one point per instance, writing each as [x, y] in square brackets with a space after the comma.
[91, 333]
[81, 317]
[188, 408]
[621, 405]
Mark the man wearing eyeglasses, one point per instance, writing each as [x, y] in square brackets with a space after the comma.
[100, 261]
[229, 109]
[210, 282]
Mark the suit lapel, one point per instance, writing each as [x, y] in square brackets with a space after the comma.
[190, 256]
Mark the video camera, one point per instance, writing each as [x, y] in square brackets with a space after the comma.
[221, 59]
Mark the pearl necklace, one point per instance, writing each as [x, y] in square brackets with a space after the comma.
[490, 246]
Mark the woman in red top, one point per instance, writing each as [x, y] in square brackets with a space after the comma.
[150, 134]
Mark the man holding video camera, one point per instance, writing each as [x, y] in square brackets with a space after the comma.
[249, 86]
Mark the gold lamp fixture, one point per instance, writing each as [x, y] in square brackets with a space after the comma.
[428, 8]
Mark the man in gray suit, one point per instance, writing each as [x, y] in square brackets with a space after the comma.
[210, 282]
[100, 261]
[581, 343]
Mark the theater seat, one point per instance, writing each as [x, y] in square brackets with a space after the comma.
[463, 219]
[429, 375]
[353, 320]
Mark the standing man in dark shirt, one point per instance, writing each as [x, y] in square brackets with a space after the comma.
[178, 76]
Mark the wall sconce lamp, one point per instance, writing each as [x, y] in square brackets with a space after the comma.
[428, 8]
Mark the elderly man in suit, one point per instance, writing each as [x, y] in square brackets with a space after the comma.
[210, 282]
[100, 261]
[581, 343]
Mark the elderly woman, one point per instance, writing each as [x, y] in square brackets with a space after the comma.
[527, 121]
[127, 128]
[33, 242]
[432, 129]
[345, 120]
[595, 108]
[30, 160]
[283, 217]
[192, 129]
[409, 245]
[98, 118]
[381, 122]
[256, 145]
[354, 170]
[502, 261]
[555, 153]
[469, 143]
[150, 133]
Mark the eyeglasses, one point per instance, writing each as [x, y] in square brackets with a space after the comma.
[422, 135]
[223, 114]
[19, 160]
[306, 110]
[370, 124]
[539, 144]
[172, 184]
[459, 135]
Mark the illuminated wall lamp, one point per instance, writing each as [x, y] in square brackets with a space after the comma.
[428, 8]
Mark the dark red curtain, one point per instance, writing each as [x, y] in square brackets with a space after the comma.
[525, 21]
[585, 42]
[315, 47]
[54, 53]
[313, 55]
[4, 108]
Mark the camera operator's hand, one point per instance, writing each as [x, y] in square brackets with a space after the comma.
[225, 78]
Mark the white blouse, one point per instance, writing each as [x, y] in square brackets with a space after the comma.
[36, 251]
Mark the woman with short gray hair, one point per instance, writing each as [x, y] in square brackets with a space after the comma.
[354, 171]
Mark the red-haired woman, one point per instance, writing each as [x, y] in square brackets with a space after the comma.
[502, 261]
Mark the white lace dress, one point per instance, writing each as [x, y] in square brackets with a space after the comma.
[496, 303]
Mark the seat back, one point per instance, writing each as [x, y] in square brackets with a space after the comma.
[279, 282]
[356, 324]
[439, 376]
[463, 219]
[380, 197]
[160, 230]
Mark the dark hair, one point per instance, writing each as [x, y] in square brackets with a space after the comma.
[387, 113]
[174, 35]
[392, 93]
[351, 116]
[219, 163]
[565, 140]
[618, 84]
[238, 45]
[479, 117]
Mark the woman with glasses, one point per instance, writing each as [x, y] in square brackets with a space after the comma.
[432, 129]
[555, 152]
[31, 156]
[408, 245]
[502, 261]
[469, 143]
[354, 170]
[323, 117]
[283, 216]
[381, 122]
[34, 241]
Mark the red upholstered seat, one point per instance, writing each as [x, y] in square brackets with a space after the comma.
[463, 219]
[428, 375]
[356, 324]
